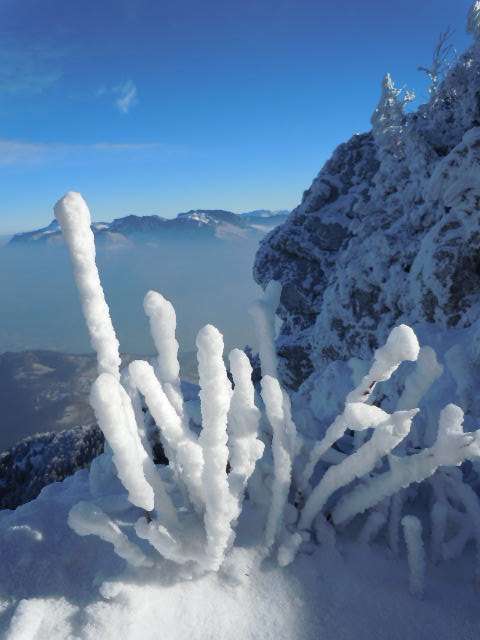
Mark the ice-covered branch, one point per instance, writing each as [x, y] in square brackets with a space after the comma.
[427, 370]
[215, 396]
[412, 529]
[396, 506]
[85, 518]
[263, 313]
[469, 499]
[163, 322]
[438, 516]
[128, 453]
[272, 396]
[243, 420]
[374, 523]
[74, 218]
[401, 345]
[161, 540]
[182, 449]
[390, 430]
[452, 447]
[443, 54]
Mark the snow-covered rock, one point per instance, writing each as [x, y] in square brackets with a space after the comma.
[58, 585]
[39, 460]
[388, 232]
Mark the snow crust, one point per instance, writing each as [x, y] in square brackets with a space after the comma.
[41, 600]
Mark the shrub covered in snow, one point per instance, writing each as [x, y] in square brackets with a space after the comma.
[367, 460]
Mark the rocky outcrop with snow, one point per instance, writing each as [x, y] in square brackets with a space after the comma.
[39, 460]
[388, 232]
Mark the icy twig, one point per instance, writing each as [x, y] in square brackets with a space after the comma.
[412, 529]
[182, 448]
[451, 448]
[74, 218]
[243, 420]
[163, 323]
[215, 396]
[85, 518]
[401, 345]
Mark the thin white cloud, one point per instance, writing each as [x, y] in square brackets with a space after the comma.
[124, 95]
[17, 152]
[127, 96]
[31, 68]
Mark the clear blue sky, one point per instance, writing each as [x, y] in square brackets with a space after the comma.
[162, 106]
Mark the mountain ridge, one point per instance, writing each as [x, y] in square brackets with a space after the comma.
[216, 223]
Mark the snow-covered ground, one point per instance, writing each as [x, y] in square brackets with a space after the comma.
[57, 585]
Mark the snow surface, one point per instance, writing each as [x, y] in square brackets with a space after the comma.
[56, 585]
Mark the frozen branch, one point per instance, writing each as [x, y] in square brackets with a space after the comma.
[389, 431]
[181, 446]
[263, 312]
[412, 529]
[74, 218]
[85, 518]
[272, 396]
[128, 453]
[243, 420]
[452, 447]
[163, 322]
[401, 345]
[215, 396]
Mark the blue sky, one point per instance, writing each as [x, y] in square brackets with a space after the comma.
[162, 106]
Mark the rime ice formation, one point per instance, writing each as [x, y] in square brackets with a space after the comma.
[191, 508]
[243, 423]
[115, 418]
[163, 322]
[412, 528]
[215, 397]
[88, 519]
[451, 448]
[74, 218]
[282, 457]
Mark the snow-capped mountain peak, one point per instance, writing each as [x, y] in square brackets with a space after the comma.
[215, 223]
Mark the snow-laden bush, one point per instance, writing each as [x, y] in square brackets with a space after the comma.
[188, 511]
[190, 508]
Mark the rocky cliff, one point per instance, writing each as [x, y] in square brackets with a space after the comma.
[388, 232]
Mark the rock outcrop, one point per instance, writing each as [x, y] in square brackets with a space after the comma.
[388, 232]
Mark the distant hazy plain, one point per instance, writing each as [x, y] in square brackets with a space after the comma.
[207, 281]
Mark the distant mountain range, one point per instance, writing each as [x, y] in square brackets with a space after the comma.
[204, 223]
